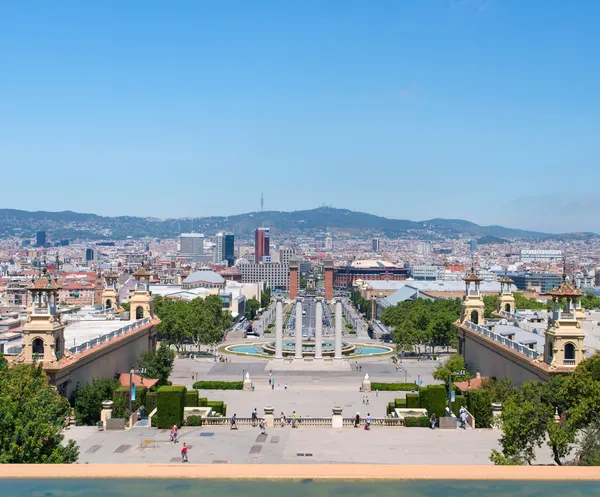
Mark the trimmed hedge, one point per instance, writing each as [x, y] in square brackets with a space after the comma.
[436, 400]
[217, 406]
[140, 396]
[191, 398]
[202, 402]
[479, 404]
[390, 408]
[394, 387]
[150, 401]
[219, 385]
[417, 422]
[412, 400]
[170, 403]
[399, 403]
[459, 401]
[424, 398]
[193, 421]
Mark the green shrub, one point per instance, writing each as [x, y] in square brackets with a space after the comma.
[216, 405]
[459, 401]
[150, 401]
[193, 421]
[399, 403]
[202, 402]
[424, 398]
[87, 400]
[417, 422]
[219, 385]
[412, 400]
[191, 398]
[224, 412]
[394, 387]
[390, 408]
[436, 400]
[479, 404]
[154, 422]
[170, 403]
[121, 401]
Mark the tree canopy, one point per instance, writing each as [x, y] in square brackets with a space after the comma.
[265, 298]
[252, 307]
[158, 364]
[87, 400]
[423, 322]
[32, 414]
[201, 321]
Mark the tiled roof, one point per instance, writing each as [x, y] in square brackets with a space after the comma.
[566, 289]
[472, 277]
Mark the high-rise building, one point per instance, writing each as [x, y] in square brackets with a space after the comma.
[219, 254]
[40, 239]
[375, 244]
[473, 245]
[90, 254]
[328, 243]
[285, 254]
[224, 249]
[230, 250]
[261, 245]
[191, 244]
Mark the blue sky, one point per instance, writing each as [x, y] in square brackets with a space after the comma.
[483, 110]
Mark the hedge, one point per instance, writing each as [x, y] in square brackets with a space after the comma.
[390, 408]
[219, 385]
[424, 398]
[218, 406]
[150, 401]
[412, 400]
[459, 401]
[479, 404]
[140, 396]
[202, 402]
[193, 421]
[417, 422]
[191, 398]
[435, 399]
[399, 403]
[394, 387]
[170, 403]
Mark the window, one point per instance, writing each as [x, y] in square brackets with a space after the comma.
[569, 352]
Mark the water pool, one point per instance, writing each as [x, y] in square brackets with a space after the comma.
[304, 488]
[357, 349]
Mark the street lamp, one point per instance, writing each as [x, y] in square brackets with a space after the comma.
[131, 384]
[462, 372]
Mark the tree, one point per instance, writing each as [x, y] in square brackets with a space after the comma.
[32, 413]
[265, 298]
[252, 306]
[491, 305]
[125, 306]
[589, 448]
[454, 364]
[88, 399]
[158, 364]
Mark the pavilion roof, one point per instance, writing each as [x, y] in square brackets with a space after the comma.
[566, 289]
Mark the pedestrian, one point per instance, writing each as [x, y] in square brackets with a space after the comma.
[367, 400]
[356, 420]
[184, 451]
[193, 377]
[368, 422]
[282, 419]
[254, 417]
[294, 419]
[285, 387]
[376, 393]
[233, 422]
[261, 425]
[433, 420]
[463, 419]
[278, 386]
[67, 422]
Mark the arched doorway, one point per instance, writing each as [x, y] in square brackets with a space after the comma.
[37, 346]
[108, 303]
[475, 317]
[569, 352]
[139, 312]
[507, 307]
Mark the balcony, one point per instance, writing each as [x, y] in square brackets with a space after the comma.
[569, 362]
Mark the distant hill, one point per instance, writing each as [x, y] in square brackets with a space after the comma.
[74, 225]
[491, 240]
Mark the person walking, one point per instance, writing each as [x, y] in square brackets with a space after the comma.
[285, 386]
[294, 419]
[356, 420]
[233, 422]
[175, 434]
[272, 384]
[368, 422]
[184, 453]
[282, 419]
[254, 417]
[433, 420]
[463, 419]
[261, 425]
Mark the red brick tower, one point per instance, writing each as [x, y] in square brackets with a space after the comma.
[328, 266]
[294, 277]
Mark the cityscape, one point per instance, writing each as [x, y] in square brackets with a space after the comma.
[310, 248]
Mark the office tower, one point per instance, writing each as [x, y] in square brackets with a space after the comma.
[191, 244]
[261, 245]
[90, 254]
[375, 244]
[328, 243]
[219, 254]
[40, 239]
[473, 245]
[229, 254]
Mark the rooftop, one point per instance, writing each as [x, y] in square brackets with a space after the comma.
[204, 276]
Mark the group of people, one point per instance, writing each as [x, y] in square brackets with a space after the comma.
[463, 416]
[174, 437]
[367, 421]
[272, 385]
[293, 420]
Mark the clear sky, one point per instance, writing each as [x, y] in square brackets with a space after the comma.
[483, 110]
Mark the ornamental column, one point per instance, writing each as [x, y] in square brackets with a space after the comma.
[319, 329]
[279, 328]
[338, 328]
[298, 354]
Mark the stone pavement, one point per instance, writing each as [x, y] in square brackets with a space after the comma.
[219, 445]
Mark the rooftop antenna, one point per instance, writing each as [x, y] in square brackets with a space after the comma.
[262, 202]
[192, 225]
[564, 267]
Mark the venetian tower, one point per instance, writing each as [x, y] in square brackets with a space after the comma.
[473, 308]
[506, 300]
[141, 304]
[564, 338]
[110, 294]
[43, 333]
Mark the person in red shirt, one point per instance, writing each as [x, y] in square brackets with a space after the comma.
[184, 450]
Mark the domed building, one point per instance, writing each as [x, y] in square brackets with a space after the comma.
[203, 278]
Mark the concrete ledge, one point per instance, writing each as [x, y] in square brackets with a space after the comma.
[299, 471]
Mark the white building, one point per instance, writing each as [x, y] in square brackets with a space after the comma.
[276, 274]
[539, 255]
[191, 244]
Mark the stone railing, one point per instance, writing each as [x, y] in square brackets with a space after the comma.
[522, 349]
[109, 336]
[520, 321]
[322, 422]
